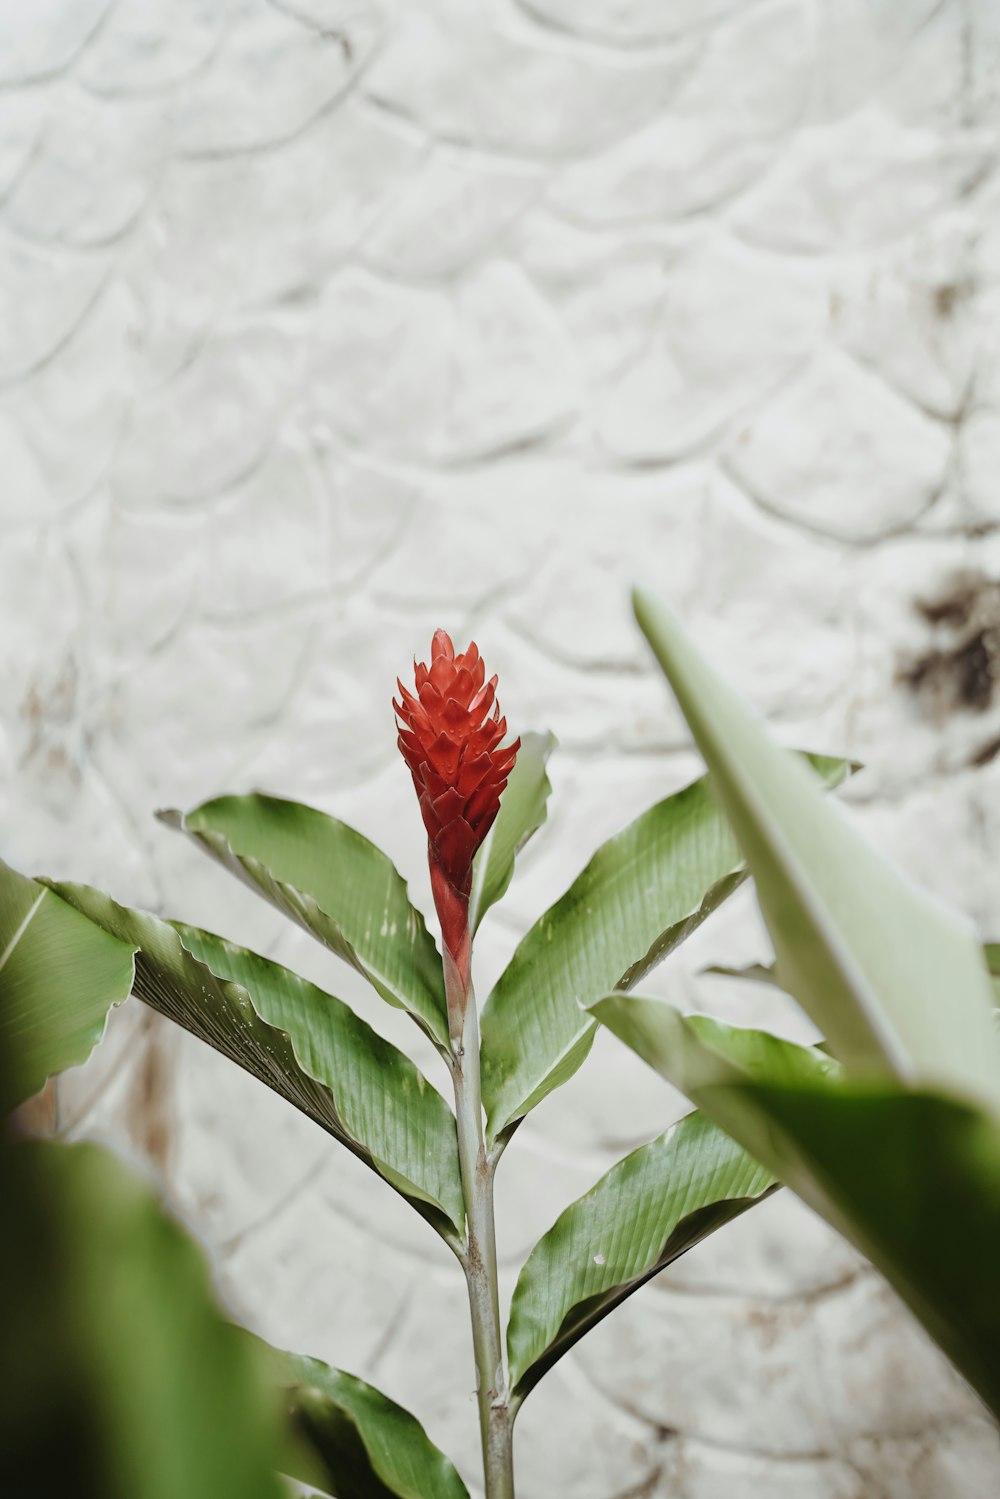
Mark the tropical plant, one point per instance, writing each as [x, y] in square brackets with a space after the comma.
[68, 953]
[891, 1129]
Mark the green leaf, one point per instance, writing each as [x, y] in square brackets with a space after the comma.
[334, 883]
[648, 1210]
[305, 1044]
[894, 980]
[642, 893]
[118, 1377]
[696, 1052]
[754, 973]
[992, 952]
[911, 1178]
[523, 809]
[59, 977]
[358, 1444]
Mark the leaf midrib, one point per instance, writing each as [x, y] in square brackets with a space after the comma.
[26, 922]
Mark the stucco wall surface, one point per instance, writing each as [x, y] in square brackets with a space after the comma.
[325, 322]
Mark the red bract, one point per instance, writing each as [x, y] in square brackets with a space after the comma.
[450, 734]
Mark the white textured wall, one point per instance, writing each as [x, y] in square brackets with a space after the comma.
[324, 323]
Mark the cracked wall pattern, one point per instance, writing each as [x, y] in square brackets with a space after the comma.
[327, 321]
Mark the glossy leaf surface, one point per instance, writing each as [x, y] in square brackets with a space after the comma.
[642, 893]
[59, 977]
[523, 809]
[645, 1213]
[337, 885]
[911, 1178]
[302, 1042]
[894, 980]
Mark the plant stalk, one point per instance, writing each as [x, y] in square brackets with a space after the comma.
[495, 1419]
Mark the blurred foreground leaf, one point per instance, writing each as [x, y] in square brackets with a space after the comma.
[895, 981]
[897, 1141]
[118, 1377]
[911, 1178]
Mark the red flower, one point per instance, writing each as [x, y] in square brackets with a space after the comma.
[450, 739]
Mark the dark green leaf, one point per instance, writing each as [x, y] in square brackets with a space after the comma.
[303, 1043]
[118, 1378]
[59, 977]
[642, 893]
[645, 1213]
[523, 809]
[356, 1443]
[334, 883]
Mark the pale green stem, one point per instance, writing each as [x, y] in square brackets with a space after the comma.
[481, 1254]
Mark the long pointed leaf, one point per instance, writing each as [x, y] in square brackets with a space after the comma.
[59, 977]
[523, 809]
[360, 1444]
[305, 1044]
[642, 893]
[337, 885]
[895, 980]
[648, 1210]
[911, 1178]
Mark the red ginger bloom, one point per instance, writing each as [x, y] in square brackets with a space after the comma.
[450, 739]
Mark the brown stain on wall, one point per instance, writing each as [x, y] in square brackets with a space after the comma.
[149, 1112]
[960, 670]
[48, 711]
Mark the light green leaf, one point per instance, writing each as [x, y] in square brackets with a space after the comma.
[642, 893]
[912, 1179]
[334, 883]
[523, 809]
[305, 1044]
[118, 1377]
[357, 1443]
[59, 977]
[648, 1210]
[895, 980]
